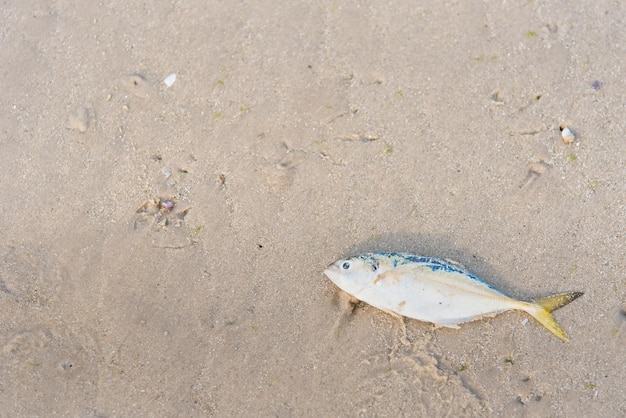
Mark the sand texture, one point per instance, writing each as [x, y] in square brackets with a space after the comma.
[163, 247]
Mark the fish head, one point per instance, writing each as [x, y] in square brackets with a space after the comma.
[352, 274]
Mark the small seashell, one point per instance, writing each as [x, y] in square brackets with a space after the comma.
[567, 135]
[169, 80]
[167, 204]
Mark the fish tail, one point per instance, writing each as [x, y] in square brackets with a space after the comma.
[554, 302]
[541, 308]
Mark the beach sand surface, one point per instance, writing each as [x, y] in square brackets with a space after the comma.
[163, 247]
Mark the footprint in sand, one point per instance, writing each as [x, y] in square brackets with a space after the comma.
[535, 171]
[281, 176]
[138, 85]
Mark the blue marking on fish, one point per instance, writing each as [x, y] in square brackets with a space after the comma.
[435, 264]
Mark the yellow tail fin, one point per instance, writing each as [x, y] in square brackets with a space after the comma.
[541, 308]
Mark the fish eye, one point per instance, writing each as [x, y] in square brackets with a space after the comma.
[374, 267]
[345, 265]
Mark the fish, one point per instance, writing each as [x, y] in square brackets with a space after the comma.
[432, 290]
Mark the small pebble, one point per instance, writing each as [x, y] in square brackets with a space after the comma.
[568, 136]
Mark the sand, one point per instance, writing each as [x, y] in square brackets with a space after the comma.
[294, 135]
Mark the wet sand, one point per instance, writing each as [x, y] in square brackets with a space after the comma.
[164, 246]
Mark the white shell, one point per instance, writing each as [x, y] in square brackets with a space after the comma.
[169, 80]
[568, 136]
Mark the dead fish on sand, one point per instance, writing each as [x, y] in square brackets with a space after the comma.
[433, 290]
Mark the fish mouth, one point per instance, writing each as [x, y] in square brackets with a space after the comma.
[331, 270]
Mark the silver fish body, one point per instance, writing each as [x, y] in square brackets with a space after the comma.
[433, 290]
